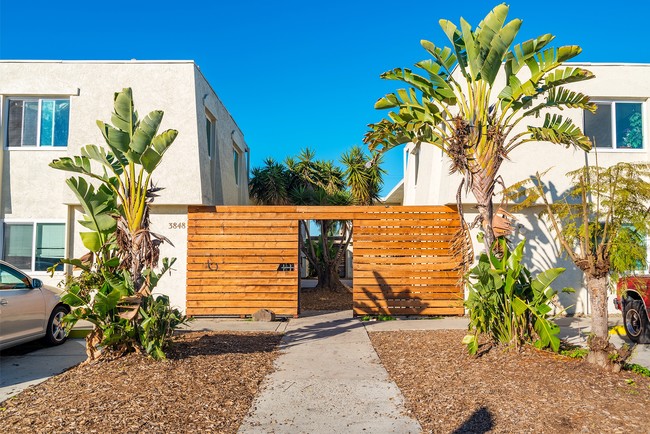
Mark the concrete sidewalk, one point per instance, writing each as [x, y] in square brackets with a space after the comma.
[328, 378]
[33, 363]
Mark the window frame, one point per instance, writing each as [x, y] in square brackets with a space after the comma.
[237, 162]
[211, 135]
[6, 104]
[613, 147]
[34, 223]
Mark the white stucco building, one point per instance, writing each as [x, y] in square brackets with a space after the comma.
[621, 92]
[48, 110]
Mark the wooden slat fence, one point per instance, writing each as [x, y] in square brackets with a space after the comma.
[405, 259]
[408, 262]
[240, 262]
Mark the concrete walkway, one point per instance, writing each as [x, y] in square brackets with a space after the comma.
[328, 378]
[33, 363]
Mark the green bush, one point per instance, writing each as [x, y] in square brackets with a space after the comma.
[508, 304]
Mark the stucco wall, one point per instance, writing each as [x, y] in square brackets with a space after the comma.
[32, 191]
[427, 179]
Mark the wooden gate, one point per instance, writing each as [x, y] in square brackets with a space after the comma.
[239, 261]
[406, 260]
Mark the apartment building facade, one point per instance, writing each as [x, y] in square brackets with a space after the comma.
[48, 110]
[620, 130]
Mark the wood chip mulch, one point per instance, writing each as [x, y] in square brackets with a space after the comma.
[319, 299]
[508, 392]
[207, 385]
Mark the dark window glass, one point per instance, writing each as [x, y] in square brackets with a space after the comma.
[15, 123]
[598, 126]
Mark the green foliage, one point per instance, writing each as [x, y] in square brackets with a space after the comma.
[380, 317]
[305, 180]
[159, 322]
[508, 304]
[641, 370]
[456, 103]
[114, 289]
[601, 221]
[574, 352]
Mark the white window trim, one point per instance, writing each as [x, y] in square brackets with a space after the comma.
[613, 148]
[5, 117]
[34, 222]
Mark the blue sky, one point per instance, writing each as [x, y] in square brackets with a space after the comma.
[300, 73]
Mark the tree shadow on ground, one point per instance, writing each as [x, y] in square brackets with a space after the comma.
[481, 421]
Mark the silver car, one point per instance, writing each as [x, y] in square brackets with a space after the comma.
[29, 310]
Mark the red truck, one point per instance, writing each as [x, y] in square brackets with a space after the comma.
[633, 298]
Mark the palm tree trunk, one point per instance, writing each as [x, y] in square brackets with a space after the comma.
[599, 345]
[486, 211]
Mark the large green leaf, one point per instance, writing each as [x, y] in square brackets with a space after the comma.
[498, 48]
[75, 164]
[124, 116]
[146, 131]
[116, 139]
[159, 145]
[559, 130]
[107, 159]
[548, 334]
[546, 278]
[98, 204]
[91, 241]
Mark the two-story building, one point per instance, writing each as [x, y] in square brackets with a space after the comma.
[49, 109]
[619, 129]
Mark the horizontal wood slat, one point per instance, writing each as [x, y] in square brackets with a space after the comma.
[408, 266]
[405, 259]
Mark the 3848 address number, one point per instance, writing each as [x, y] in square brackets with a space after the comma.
[177, 225]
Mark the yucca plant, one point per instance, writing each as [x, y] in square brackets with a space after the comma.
[459, 106]
[305, 180]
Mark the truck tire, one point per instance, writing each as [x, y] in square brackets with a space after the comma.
[635, 320]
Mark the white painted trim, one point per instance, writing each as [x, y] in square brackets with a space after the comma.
[37, 147]
[613, 149]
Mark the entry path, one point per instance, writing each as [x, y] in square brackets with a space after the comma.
[328, 378]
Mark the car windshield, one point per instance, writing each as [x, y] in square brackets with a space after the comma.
[12, 279]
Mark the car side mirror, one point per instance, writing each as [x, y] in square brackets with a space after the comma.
[36, 283]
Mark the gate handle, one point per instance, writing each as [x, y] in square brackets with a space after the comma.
[216, 266]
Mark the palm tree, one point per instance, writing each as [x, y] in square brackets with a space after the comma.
[363, 179]
[304, 180]
[460, 107]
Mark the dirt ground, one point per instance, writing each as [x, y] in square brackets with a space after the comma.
[504, 392]
[317, 299]
[207, 385]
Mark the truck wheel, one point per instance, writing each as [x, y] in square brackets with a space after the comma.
[635, 320]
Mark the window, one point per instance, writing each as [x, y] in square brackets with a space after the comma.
[236, 156]
[616, 125]
[38, 122]
[209, 132]
[33, 246]
[11, 279]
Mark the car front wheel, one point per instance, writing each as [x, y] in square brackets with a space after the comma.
[55, 333]
[635, 321]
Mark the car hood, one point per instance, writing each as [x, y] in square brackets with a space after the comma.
[54, 290]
